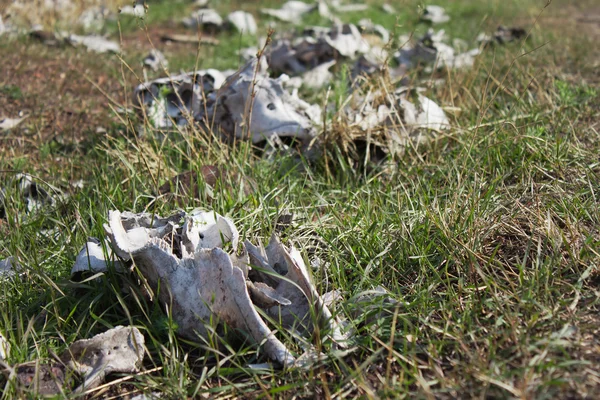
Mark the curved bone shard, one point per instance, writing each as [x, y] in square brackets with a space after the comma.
[296, 287]
[94, 258]
[120, 349]
[243, 22]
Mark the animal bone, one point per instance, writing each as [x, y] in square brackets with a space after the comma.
[291, 11]
[435, 15]
[243, 22]
[93, 258]
[156, 60]
[206, 18]
[120, 349]
[198, 285]
[251, 105]
[175, 100]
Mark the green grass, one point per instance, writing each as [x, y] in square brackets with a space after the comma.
[487, 238]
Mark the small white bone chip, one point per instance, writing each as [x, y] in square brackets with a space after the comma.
[292, 11]
[94, 43]
[94, 257]
[120, 349]
[435, 15]
[4, 348]
[243, 22]
[156, 60]
[7, 124]
[205, 18]
[7, 267]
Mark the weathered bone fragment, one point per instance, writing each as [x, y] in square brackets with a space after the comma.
[95, 257]
[316, 47]
[243, 22]
[35, 195]
[94, 43]
[367, 25]
[502, 35]
[291, 11]
[388, 8]
[282, 285]
[344, 8]
[432, 49]
[207, 19]
[250, 105]
[391, 122]
[347, 40]
[199, 286]
[156, 60]
[422, 114]
[175, 100]
[435, 15]
[120, 349]
[318, 77]
[4, 347]
[7, 124]
[137, 9]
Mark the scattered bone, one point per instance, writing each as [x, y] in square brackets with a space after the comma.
[176, 100]
[274, 111]
[432, 49]
[317, 46]
[7, 124]
[35, 195]
[292, 11]
[207, 19]
[137, 9]
[347, 40]
[94, 43]
[392, 122]
[421, 113]
[95, 257]
[435, 15]
[388, 8]
[318, 77]
[502, 35]
[243, 22]
[366, 25]
[203, 283]
[344, 8]
[7, 267]
[4, 345]
[192, 39]
[156, 60]
[120, 349]
[293, 296]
